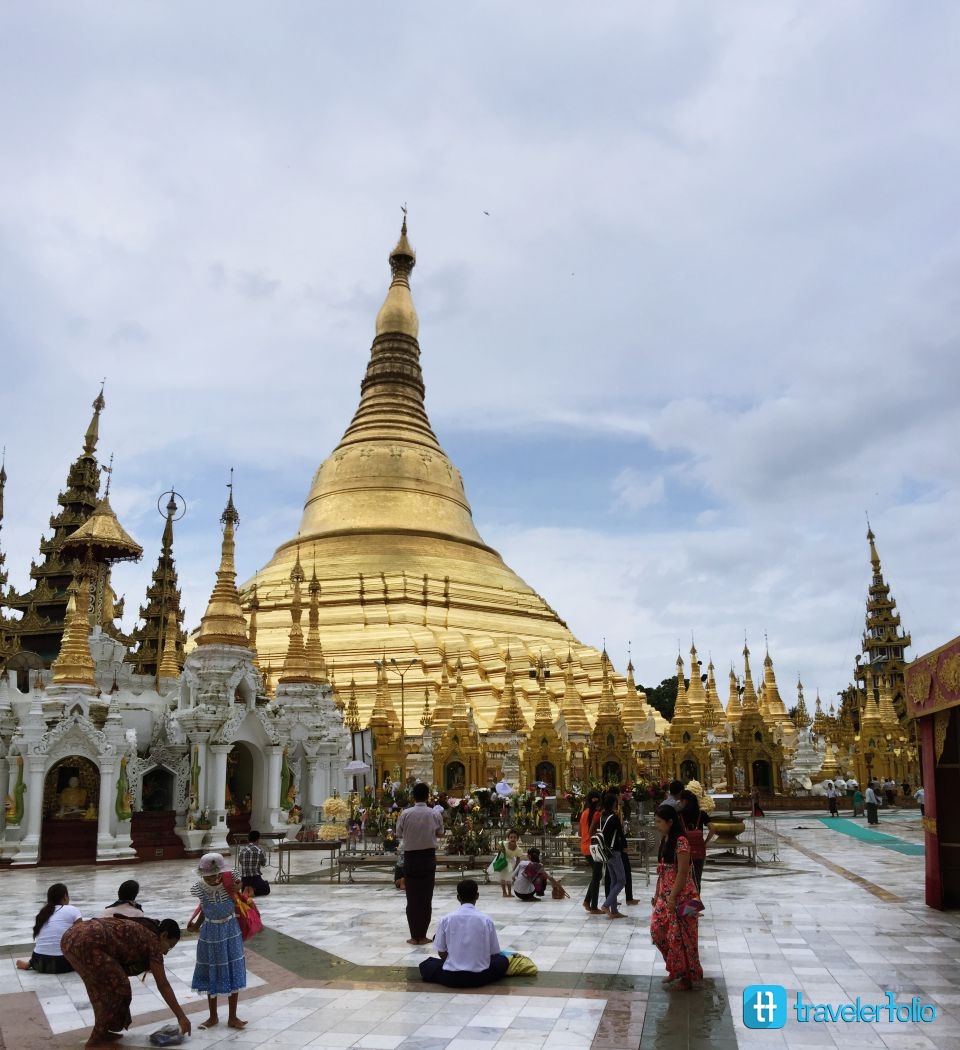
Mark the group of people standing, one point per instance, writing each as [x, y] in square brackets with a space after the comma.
[122, 942]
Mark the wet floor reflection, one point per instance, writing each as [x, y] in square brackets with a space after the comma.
[695, 1020]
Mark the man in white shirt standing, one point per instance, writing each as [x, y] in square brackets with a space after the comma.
[467, 943]
[419, 827]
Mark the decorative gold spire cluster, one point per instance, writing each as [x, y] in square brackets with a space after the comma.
[223, 622]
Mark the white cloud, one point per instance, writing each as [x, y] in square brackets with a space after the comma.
[723, 231]
[634, 491]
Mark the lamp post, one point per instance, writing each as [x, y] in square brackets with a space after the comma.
[401, 670]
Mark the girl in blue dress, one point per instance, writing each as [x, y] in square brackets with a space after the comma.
[221, 967]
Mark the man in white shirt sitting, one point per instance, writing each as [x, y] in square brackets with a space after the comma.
[466, 941]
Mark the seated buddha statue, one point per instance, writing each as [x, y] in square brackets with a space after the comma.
[73, 799]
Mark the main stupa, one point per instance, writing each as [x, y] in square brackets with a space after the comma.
[398, 571]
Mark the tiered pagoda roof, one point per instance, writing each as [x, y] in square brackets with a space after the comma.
[163, 598]
[43, 608]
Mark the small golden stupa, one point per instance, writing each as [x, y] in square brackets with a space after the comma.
[402, 573]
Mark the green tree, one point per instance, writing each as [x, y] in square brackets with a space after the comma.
[663, 697]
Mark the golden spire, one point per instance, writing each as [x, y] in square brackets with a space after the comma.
[398, 316]
[3, 480]
[504, 719]
[383, 710]
[295, 666]
[74, 665]
[874, 557]
[681, 710]
[696, 695]
[459, 714]
[750, 702]
[542, 715]
[253, 605]
[573, 712]
[801, 717]
[315, 657]
[714, 710]
[93, 431]
[631, 707]
[389, 473]
[425, 719]
[223, 622]
[776, 709]
[444, 706]
[351, 718]
[734, 707]
[168, 664]
[608, 702]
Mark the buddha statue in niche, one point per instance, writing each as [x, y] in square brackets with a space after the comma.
[73, 799]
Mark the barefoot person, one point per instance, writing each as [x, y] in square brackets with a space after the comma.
[221, 966]
[419, 827]
[106, 953]
[467, 944]
[673, 925]
[52, 922]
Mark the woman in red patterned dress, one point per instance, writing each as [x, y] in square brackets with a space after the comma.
[675, 934]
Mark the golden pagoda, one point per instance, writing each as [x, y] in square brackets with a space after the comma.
[403, 574]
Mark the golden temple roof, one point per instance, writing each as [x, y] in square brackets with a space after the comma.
[403, 571]
[103, 534]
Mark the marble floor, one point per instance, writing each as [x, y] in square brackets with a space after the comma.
[838, 915]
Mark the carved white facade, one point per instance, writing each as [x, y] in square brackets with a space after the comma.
[182, 730]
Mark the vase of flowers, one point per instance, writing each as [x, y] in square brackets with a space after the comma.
[335, 812]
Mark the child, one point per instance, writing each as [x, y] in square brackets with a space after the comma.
[530, 878]
[221, 966]
[511, 850]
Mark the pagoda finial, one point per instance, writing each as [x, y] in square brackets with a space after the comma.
[874, 557]
[108, 470]
[398, 315]
[93, 431]
[3, 480]
[223, 622]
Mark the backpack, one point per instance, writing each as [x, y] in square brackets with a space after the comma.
[694, 836]
[599, 850]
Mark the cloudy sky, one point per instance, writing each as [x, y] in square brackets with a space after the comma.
[688, 279]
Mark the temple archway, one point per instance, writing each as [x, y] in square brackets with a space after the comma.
[547, 774]
[761, 773]
[157, 791]
[689, 770]
[71, 799]
[239, 793]
[611, 772]
[454, 777]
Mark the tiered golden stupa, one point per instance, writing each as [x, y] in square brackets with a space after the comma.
[403, 573]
